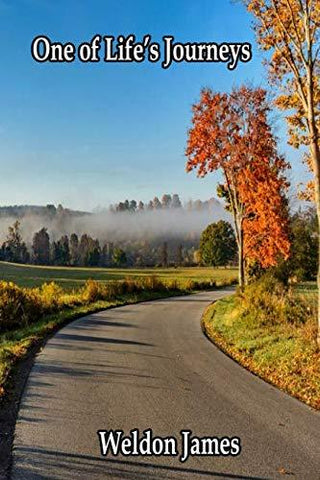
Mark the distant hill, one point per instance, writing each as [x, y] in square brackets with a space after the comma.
[20, 211]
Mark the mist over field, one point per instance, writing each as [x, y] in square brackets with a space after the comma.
[119, 226]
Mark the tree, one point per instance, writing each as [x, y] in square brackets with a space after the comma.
[74, 249]
[156, 203]
[175, 203]
[106, 254]
[93, 257]
[133, 206]
[41, 247]
[84, 249]
[14, 248]
[304, 252]
[166, 200]
[89, 251]
[230, 132]
[289, 29]
[179, 255]
[164, 254]
[119, 257]
[140, 206]
[218, 244]
[61, 251]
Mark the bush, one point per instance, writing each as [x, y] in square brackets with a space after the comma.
[50, 295]
[153, 283]
[269, 302]
[18, 306]
[92, 291]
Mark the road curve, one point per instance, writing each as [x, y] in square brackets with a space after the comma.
[149, 366]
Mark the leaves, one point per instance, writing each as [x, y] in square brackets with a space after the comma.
[290, 30]
[230, 132]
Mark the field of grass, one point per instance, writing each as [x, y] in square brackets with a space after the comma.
[282, 353]
[74, 277]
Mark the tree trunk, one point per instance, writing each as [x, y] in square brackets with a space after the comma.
[241, 261]
[315, 153]
[315, 157]
[239, 238]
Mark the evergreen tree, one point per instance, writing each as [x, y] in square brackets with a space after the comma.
[14, 248]
[41, 247]
[74, 249]
[179, 255]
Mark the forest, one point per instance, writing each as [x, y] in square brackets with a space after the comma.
[130, 233]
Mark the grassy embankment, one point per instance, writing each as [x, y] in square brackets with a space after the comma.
[29, 315]
[273, 335]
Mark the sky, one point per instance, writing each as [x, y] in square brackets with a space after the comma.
[90, 134]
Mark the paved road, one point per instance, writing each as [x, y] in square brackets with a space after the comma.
[149, 365]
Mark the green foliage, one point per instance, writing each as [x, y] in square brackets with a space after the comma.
[14, 248]
[304, 252]
[41, 247]
[119, 257]
[61, 251]
[222, 192]
[302, 263]
[218, 244]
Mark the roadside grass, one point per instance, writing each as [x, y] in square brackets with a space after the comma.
[284, 354]
[75, 277]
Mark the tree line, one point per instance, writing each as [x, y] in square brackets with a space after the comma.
[83, 250]
[166, 202]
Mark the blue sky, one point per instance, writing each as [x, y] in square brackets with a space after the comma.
[87, 135]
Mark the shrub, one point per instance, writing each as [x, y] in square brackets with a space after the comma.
[173, 285]
[17, 306]
[153, 283]
[92, 291]
[190, 285]
[50, 295]
[131, 285]
[269, 302]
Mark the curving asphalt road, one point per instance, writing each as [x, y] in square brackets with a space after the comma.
[149, 365]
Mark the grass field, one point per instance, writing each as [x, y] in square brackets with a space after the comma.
[70, 277]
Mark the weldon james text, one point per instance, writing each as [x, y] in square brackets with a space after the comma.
[115, 442]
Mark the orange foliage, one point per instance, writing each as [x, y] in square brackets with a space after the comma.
[265, 225]
[231, 132]
[290, 31]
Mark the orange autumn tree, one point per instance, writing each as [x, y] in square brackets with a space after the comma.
[290, 31]
[230, 132]
[265, 224]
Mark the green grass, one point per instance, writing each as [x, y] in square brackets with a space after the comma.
[74, 277]
[283, 354]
